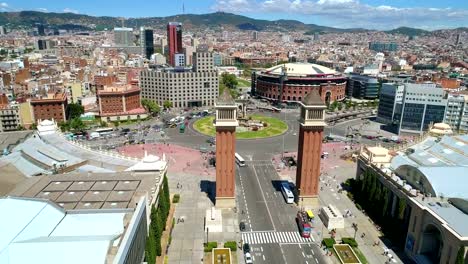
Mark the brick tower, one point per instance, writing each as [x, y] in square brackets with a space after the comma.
[225, 123]
[312, 123]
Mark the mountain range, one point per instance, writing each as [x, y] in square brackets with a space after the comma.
[217, 21]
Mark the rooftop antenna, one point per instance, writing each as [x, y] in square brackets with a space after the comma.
[183, 8]
[123, 20]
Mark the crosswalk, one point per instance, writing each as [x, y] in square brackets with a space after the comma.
[272, 237]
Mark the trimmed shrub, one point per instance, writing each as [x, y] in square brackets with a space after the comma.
[328, 242]
[350, 241]
[210, 245]
[231, 244]
[176, 198]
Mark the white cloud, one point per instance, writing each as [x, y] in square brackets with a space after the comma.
[351, 13]
[69, 10]
[4, 5]
[42, 9]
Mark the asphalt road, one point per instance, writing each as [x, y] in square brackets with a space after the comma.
[271, 229]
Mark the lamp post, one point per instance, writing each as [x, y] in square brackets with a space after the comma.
[355, 226]
[208, 230]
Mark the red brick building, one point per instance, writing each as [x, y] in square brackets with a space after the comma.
[51, 107]
[299, 80]
[120, 103]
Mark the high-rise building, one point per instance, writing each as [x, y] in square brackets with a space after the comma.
[146, 42]
[255, 35]
[458, 39]
[40, 30]
[174, 37]
[2, 30]
[362, 87]
[316, 36]
[123, 37]
[419, 106]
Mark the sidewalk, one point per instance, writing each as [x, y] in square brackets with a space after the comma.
[188, 237]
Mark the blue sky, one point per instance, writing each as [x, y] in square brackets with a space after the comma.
[380, 14]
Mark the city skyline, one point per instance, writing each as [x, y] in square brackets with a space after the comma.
[371, 14]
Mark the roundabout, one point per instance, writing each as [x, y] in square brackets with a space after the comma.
[267, 127]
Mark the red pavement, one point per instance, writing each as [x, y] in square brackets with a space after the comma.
[334, 149]
[181, 159]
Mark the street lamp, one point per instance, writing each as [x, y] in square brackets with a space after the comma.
[355, 226]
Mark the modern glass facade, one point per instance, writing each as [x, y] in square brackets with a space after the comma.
[385, 110]
[412, 116]
[434, 114]
[363, 87]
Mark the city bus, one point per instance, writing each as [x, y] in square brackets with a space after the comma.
[287, 193]
[104, 131]
[269, 108]
[239, 160]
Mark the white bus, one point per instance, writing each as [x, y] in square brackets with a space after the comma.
[287, 193]
[239, 160]
[104, 131]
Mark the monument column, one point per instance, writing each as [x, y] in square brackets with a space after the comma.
[225, 123]
[312, 123]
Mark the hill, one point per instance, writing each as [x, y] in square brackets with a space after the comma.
[217, 21]
[408, 31]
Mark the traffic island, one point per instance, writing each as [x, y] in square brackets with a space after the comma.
[254, 127]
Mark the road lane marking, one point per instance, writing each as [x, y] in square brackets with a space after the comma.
[303, 254]
[266, 205]
[316, 260]
[300, 246]
[263, 257]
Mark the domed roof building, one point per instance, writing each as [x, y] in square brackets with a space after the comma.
[290, 82]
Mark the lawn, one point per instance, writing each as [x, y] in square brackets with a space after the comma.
[275, 127]
[243, 83]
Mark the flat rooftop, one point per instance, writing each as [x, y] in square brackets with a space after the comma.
[89, 190]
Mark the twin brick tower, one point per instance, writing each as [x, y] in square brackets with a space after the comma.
[309, 149]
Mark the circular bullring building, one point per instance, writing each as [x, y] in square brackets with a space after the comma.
[298, 79]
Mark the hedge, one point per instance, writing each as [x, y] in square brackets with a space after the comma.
[176, 198]
[231, 244]
[350, 241]
[328, 242]
[210, 245]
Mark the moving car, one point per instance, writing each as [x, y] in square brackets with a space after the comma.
[242, 226]
[246, 248]
[248, 258]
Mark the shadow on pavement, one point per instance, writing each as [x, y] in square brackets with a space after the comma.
[208, 187]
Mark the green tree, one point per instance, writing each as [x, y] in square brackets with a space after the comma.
[74, 110]
[150, 106]
[460, 255]
[64, 126]
[167, 104]
[150, 250]
[103, 123]
[229, 80]
[340, 106]
[77, 124]
[116, 124]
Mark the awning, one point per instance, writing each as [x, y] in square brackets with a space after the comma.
[310, 214]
